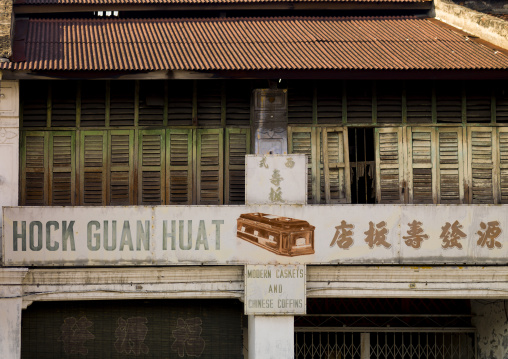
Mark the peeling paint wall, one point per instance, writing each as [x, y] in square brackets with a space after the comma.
[5, 28]
[486, 27]
[490, 317]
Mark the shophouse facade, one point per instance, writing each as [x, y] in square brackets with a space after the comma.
[153, 155]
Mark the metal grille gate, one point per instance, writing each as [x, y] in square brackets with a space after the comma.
[396, 343]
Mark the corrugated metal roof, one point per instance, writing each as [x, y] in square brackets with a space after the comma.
[377, 43]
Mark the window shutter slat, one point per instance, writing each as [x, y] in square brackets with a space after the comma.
[421, 162]
[300, 142]
[179, 166]
[34, 156]
[389, 162]
[481, 164]
[335, 164]
[121, 144]
[151, 167]
[237, 146]
[450, 165]
[62, 167]
[93, 168]
[209, 166]
[503, 164]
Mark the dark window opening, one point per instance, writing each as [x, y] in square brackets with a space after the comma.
[362, 165]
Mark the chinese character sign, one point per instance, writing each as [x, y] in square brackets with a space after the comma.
[276, 179]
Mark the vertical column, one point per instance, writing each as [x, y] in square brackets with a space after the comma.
[10, 314]
[9, 144]
[271, 337]
[491, 322]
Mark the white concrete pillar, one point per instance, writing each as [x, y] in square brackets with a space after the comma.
[271, 337]
[9, 145]
[11, 295]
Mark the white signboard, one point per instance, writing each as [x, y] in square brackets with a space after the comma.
[276, 179]
[275, 289]
[264, 234]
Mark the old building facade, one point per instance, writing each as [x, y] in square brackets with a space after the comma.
[129, 132]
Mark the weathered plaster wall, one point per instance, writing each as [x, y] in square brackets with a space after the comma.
[9, 145]
[486, 27]
[490, 320]
[5, 28]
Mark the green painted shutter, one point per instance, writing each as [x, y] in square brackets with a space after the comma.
[237, 146]
[93, 168]
[62, 161]
[450, 165]
[335, 165]
[389, 165]
[481, 152]
[179, 146]
[209, 163]
[121, 164]
[421, 171]
[151, 167]
[301, 141]
[34, 168]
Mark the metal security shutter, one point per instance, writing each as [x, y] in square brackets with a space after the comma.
[120, 329]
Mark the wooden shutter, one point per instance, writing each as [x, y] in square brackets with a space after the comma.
[34, 168]
[482, 156]
[503, 164]
[237, 146]
[421, 165]
[302, 140]
[179, 166]
[121, 150]
[335, 163]
[151, 167]
[209, 161]
[62, 162]
[450, 165]
[389, 165]
[93, 168]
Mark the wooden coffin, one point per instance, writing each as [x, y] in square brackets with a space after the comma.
[281, 235]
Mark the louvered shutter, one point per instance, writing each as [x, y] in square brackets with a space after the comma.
[151, 167]
[209, 166]
[389, 165]
[450, 165]
[34, 169]
[503, 164]
[301, 140]
[179, 166]
[62, 163]
[422, 178]
[481, 142]
[237, 146]
[93, 168]
[335, 163]
[121, 150]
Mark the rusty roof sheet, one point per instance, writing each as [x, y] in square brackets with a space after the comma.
[376, 43]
